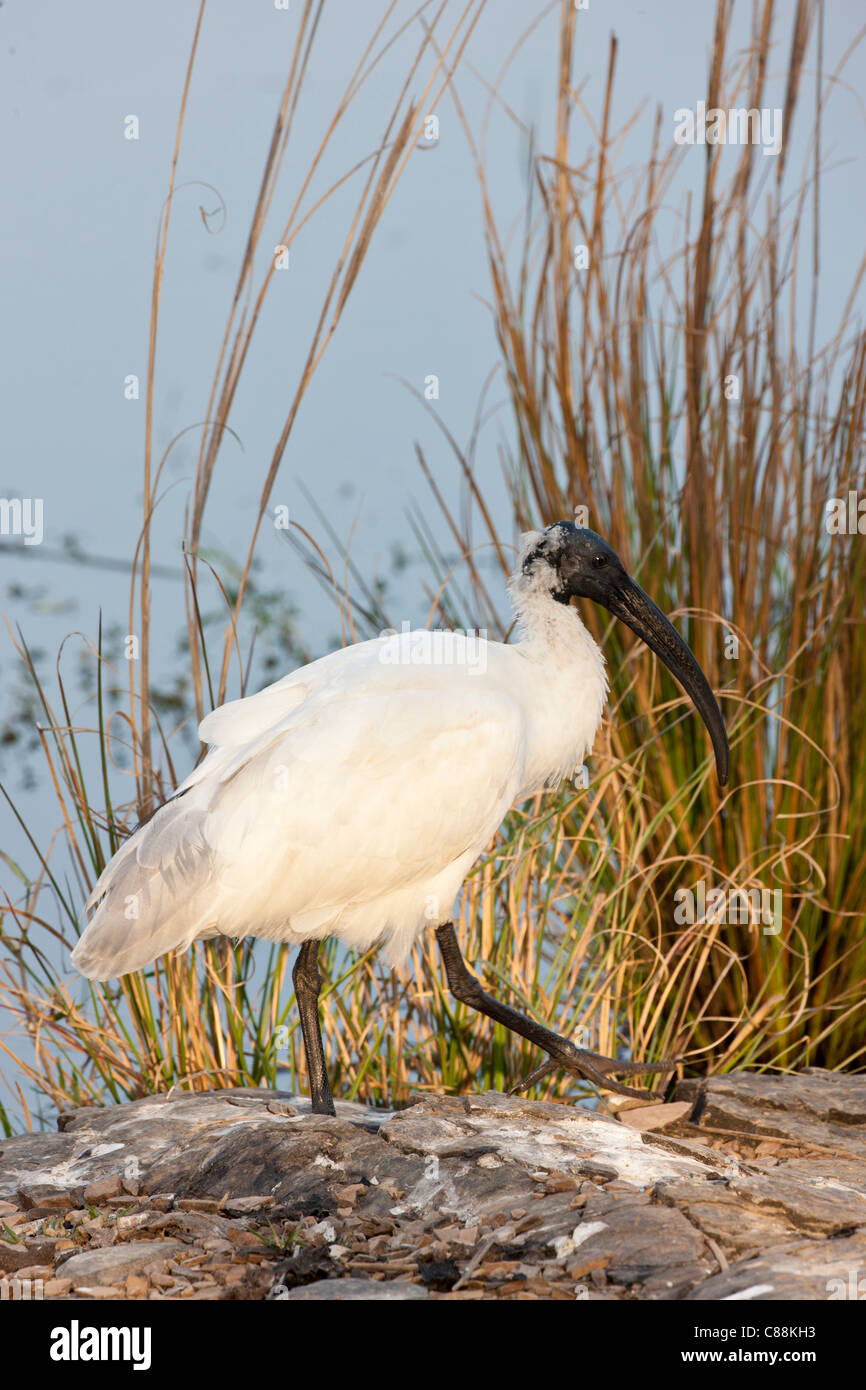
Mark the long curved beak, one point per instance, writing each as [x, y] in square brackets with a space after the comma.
[632, 606]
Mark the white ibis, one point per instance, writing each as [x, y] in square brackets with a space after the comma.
[350, 798]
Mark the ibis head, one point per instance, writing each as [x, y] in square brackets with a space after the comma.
[581, 564]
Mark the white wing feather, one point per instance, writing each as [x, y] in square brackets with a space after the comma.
[348, 797]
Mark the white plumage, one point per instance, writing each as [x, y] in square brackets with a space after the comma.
[350, 798]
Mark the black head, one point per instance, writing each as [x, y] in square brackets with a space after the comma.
[577, 563]
[580, 563]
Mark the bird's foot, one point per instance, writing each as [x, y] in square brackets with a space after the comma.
[592, 1066]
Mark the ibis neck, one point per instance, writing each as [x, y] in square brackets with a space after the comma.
[566, 684]
[545, 623]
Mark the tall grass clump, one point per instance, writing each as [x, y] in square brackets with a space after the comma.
[677, 400]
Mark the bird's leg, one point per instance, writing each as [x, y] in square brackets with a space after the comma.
[308, 982]
[562, 1053]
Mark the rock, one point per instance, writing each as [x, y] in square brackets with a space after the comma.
[205, 1204]
[29, 1157]
[282, 1107]
[56, 1288]
[641, 1244]
[198, 1224]
[348, 1195]
[217, 1144]
[109, 1186]
[43, 1196]
[647, 1117]
[241, 1206]
[15, 1257]
[342, 1290]
[238, 1236]
[747, 1212]
[840, 1174]
[112, 1262]
[246, 1191]
[814, 1107]
[133, 1222]
[803, 1269]
[543, 1135]
[717, 1211]
[34, 1272]
[808, 1206]
[95, 1143]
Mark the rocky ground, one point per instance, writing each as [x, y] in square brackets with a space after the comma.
[747, 1186]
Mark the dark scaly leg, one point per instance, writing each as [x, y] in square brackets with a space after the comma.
[308, 982]
[562, 1053]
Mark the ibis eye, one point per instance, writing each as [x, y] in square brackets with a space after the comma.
[598, 561]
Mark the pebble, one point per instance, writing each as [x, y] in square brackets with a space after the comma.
[103, 1188]
[56, 1288]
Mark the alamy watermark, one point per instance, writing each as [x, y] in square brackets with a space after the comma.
[853, 1288]
[17, 1290]
[845, 516]
[22, 516]
[77, 1343]
[739, 126]
[438, 647]
[732, 906]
